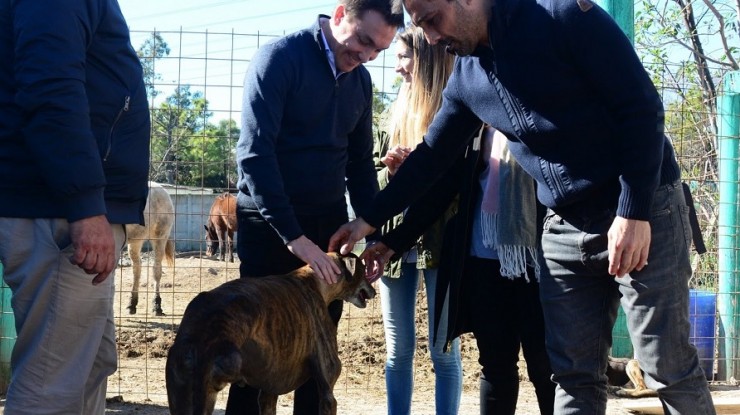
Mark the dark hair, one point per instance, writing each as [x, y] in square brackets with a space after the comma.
[391, 10]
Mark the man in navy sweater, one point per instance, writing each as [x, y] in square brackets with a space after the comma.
[74, 160]
[306, 138]
[564, 84]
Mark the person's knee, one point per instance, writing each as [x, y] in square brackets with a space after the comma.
[498, 372]
[401, 354]
[445, 358]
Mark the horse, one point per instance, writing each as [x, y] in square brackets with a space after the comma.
[159, 216]
[221, 226]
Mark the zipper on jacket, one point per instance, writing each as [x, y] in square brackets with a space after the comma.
[125, 108]
[555, 179]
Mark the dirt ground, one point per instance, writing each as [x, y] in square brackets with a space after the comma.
[138, 387]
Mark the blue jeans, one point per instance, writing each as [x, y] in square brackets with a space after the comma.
[398, 301]
[580, 301]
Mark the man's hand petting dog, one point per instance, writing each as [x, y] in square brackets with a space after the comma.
[345, 238]
[324, 267]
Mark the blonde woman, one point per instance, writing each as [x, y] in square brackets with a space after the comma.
[424, 70]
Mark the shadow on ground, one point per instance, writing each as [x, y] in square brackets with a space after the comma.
[116, 405]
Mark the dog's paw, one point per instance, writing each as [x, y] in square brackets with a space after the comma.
[632, 393]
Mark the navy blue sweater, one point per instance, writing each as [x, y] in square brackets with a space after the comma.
[566, 87]
[303, 132]
[74, 119]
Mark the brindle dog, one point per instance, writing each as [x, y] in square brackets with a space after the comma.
[620, 372]
[272, 333]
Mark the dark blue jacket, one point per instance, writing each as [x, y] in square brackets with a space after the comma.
[306, 136]
[564, 84]
[74, 118]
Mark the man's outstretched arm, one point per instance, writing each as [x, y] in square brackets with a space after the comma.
[348, 235]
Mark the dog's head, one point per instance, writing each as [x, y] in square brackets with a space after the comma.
[352, 285]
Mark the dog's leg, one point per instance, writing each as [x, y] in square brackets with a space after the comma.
[327, 402]
[325, 368]
[635, 374]
[616, 371]
[326, 372]
[268, 403]
[639, 389]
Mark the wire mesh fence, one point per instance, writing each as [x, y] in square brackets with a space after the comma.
[195, 89]
[195, 81]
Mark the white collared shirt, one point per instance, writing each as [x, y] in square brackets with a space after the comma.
[330, 55]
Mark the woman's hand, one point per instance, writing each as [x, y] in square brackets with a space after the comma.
[395, 157]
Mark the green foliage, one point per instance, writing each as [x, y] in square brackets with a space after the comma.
[687, 46]
[214, 152]
[381, 101]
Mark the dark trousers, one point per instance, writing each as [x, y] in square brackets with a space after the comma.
[262, 253]
[505, 314]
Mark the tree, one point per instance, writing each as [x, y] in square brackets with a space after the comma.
[153, 49]
[181, 117]
[381, 102]
[186, 148]
[687, 46]
[215, 152]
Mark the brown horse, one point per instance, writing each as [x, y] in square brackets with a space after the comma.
[221, 226]
[159, 216]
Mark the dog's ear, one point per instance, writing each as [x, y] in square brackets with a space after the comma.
[350, 262]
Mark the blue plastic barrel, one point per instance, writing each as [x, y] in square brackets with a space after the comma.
[702, 311]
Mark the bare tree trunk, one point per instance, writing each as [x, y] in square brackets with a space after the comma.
[709, 89]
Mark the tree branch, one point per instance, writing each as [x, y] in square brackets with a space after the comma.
[722, 36]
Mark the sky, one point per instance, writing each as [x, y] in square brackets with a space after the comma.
[243, 16]
[231, 26]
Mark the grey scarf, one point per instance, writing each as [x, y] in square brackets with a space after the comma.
[509, 208]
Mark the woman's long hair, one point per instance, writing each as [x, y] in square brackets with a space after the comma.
[417, 103]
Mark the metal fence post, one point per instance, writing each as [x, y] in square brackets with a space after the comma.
[728, 110]
[623, 12]
[7, 333]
